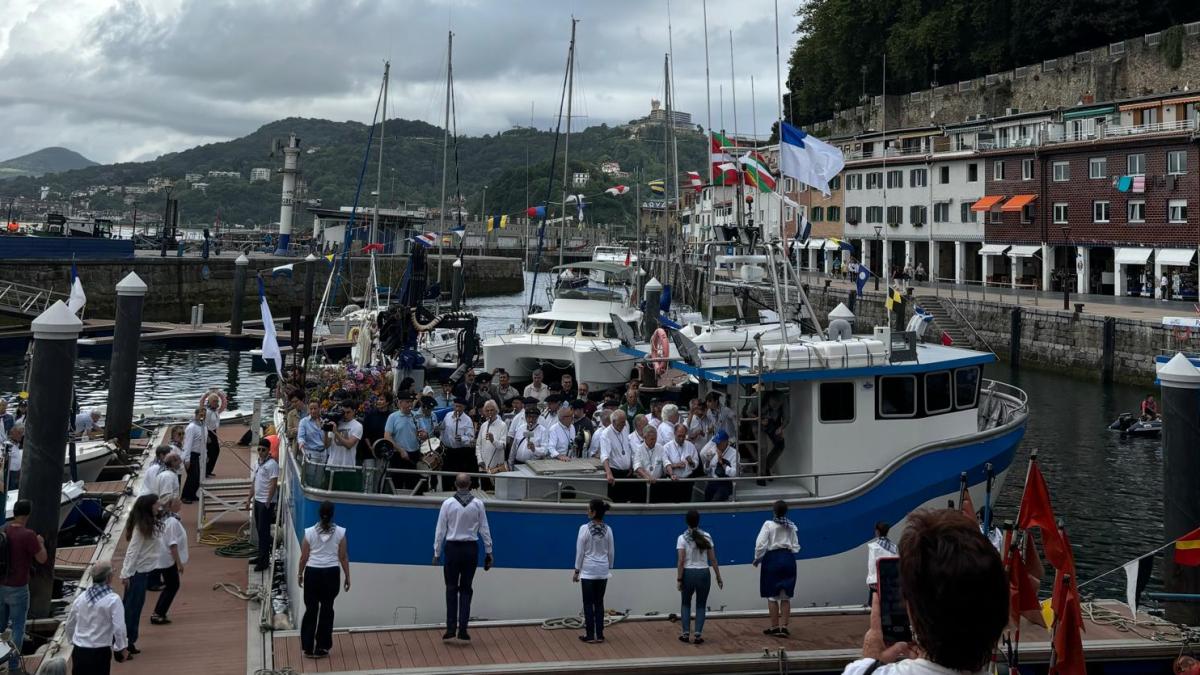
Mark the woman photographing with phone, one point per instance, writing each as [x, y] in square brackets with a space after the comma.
[696, 552]
[775, 549]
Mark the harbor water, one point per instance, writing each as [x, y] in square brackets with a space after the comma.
[1107, 490]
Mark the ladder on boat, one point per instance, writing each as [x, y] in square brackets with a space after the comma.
[25, 301]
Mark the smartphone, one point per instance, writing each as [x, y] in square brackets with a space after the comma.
[893, 615]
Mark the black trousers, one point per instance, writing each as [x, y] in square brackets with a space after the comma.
[170, 580]
[321, 586]
[593, 607]
[214, 451]
[462, 558]
[264, 517]
[459, 460]
[91, 660]
[623, 493]
[191, 484]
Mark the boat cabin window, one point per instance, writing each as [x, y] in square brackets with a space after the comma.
[966, 387]
[566, 328]
[897, 396]
[837, 402]
[542, 326]
[937, 392]
[589, 329]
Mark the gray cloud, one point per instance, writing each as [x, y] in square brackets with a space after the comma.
[129, 79]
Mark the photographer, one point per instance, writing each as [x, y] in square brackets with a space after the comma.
[346, 434]
[954, 587]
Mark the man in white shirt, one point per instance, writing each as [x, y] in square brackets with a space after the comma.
[879, 547]
[491, 440]
[640, 422]
[648, 463]
[527, 443]
[680, 460]
[194, 440]
[87, 423]
[212, 422]
[593, 449]
[670, 418]
[343, 449]
[553, 404]
[537, 389]
[458, 442]
[656, 413]
[561, 437]
[701, 425]
[263, 495]
[616, 453]
[720, 460]
[96, 624]
[166, 483]
[461, 522]
[722, 415]
[13, 452]
[149, 478]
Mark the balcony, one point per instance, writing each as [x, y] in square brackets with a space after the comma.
[1175, 127]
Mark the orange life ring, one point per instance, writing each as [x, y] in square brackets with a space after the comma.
[220, 395]
[660, 350]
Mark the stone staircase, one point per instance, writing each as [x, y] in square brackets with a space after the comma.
[944, 320]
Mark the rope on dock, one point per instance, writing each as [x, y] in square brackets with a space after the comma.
[576, 622]
[230, 545]
[1152, 629]
[252, 591]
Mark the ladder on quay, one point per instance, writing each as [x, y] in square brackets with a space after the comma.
[24, 301]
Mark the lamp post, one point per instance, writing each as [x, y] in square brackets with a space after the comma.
[878, 234]
[1063, 274]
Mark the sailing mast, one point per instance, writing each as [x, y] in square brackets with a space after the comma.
[738, 208]
[445, 154]
[562, 223]
[387, 67]
[712, 177]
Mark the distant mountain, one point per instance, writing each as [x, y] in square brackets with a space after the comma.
[332, 157]
[46, 160]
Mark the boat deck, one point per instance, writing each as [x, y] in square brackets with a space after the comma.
[821, 641]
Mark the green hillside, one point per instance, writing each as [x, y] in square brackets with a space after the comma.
[412, 170]
[46, 160]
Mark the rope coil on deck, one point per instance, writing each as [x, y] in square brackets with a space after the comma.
[1153, 629]
[576, 622]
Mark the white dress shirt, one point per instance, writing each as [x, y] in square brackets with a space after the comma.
[166, 486]
[461, 523]
[264, 473]
[709, 456]
[666, 431]
[458, 431]
[616, 449]
[558, 440]
[548, 419]
[593, 449]
[674, 453]
[649, 459]
[773, 536]
[194, 438]
[97, 624]
[540, 394]
[529, 445]
[173, 534]
[141, 555]
[149, 479]
[701, 427]
[594, 551]
[212, 419]
[490, 454]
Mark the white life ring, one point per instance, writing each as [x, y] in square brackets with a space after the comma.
[220, 395]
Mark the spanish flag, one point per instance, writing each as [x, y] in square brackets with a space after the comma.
[1187, 549]
[893, 298]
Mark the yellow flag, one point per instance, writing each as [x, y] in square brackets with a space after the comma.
[888, 303]
[1047, 613]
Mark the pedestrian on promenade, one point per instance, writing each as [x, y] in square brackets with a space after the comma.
[264, 493]
[461, 522]
[141, 558]
[775, 550]
[696, 551]
[193, 449]
[172, 556]
[96, 625]
[322, 552]
[594, 555]
[25, 547]
[954, 587]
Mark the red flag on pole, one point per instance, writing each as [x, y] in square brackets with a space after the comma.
[1036, 511]
[946, 339]
[968, 508]
[1068, 622]
[1187, 549]
[628, 257]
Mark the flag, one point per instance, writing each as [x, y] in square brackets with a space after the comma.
[579, 207]
[1023, 586]
[628, 257]
[894, 297]
[1137, 577]
[863, 275]
[809, 160]
[284, 271]
[695, 180]
[497, 221]
[756, 173]
[329, 258]
[1068, 621]
[841, 244]
[270, 345]
[426, 240]
[1187, 549]
[460, 230]
[658, 187]
[1036, 511]
[968, 507]
[617, 190]
[375, 247]
[536, 212]
[77, 299]
[722, 162]
[805, 230]
[946, 339]
[1139, 184]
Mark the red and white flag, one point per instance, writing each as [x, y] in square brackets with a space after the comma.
[696, 181]
[617, 190]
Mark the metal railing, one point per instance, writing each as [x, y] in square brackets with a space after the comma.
[1000, 403]
[970, 326]
[27, 300]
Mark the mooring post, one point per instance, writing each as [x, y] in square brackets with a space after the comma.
[456, 285]
[653, 295]
[239, 292]
[122, 378]
[1014, 337]
[55, 332]
[1180, 381]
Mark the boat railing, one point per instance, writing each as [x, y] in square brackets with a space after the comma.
[1000, 403]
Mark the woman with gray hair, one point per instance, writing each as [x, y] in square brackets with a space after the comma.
[96, 625]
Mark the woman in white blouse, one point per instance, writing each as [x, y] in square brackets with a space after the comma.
[775, 549]
[322, 552]
[594, 553]
[696, 552]
[141, 558]
[172, 556]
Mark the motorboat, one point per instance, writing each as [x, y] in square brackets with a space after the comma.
[72, 491]
[1130, 425]
[90, 459]
[577, 333]
[620, 255]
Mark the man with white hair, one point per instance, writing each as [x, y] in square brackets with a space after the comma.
[491, 440]
[670, 417]
[648, 463]
[593, 449]
[640, 422]
[96, 625]
[616, 453]
[680, 460]
[87, 424]
[560, 437]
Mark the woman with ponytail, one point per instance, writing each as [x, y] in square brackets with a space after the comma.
[775, 549]
[594, 553]
[321, 553]
[696, 552]
[141, 558]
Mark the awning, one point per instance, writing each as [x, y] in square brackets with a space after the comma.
[1017, 203]
[993, 249]
[1182, 100]
[815, 244]
[1140, 106]
[986, 203]
[1024, 251]
[1178, 257]
[1132, 256]
[1088, 113]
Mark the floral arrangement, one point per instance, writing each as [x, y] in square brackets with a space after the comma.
[362, 385]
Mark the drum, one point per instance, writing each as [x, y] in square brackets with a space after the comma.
[431, 455]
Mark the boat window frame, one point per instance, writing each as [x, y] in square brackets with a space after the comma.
[853, 402]
[929, 410]
[559, 322]
[546, 329]
[879, 396]
[595, 330]
[978, 384]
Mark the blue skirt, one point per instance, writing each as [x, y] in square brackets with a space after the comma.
[777, 573]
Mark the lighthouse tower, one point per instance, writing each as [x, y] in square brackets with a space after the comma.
[291, 155]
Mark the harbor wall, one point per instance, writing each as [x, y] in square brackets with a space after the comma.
[175, 284]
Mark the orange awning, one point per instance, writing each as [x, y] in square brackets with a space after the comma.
[1141, 106]
[986, 203]
[1183, 100]
[1018, 202]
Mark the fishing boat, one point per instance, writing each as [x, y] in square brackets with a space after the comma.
[90, 459]
[72, 491]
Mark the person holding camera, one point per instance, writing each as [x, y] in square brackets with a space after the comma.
[953, 585]
[346, 434]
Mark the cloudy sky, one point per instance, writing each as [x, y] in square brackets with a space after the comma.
[125, 80]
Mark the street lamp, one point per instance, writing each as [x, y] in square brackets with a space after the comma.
[878, 234]
[1063, 274]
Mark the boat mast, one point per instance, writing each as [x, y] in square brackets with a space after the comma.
[562, 224]
[737, 159]
[387, 67]
[445, 154]
[712, 178]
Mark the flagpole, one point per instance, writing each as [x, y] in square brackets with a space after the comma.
[708, 93]
[778, 75]
[738, 207]
[445, 155]
[562, 224]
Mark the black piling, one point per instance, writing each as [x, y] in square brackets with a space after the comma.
[239, 293]
[122, 379]
[1180, 381]
[55, 332]
[310, 277]
[1014, 343]
[653, 295]
[456, 285]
